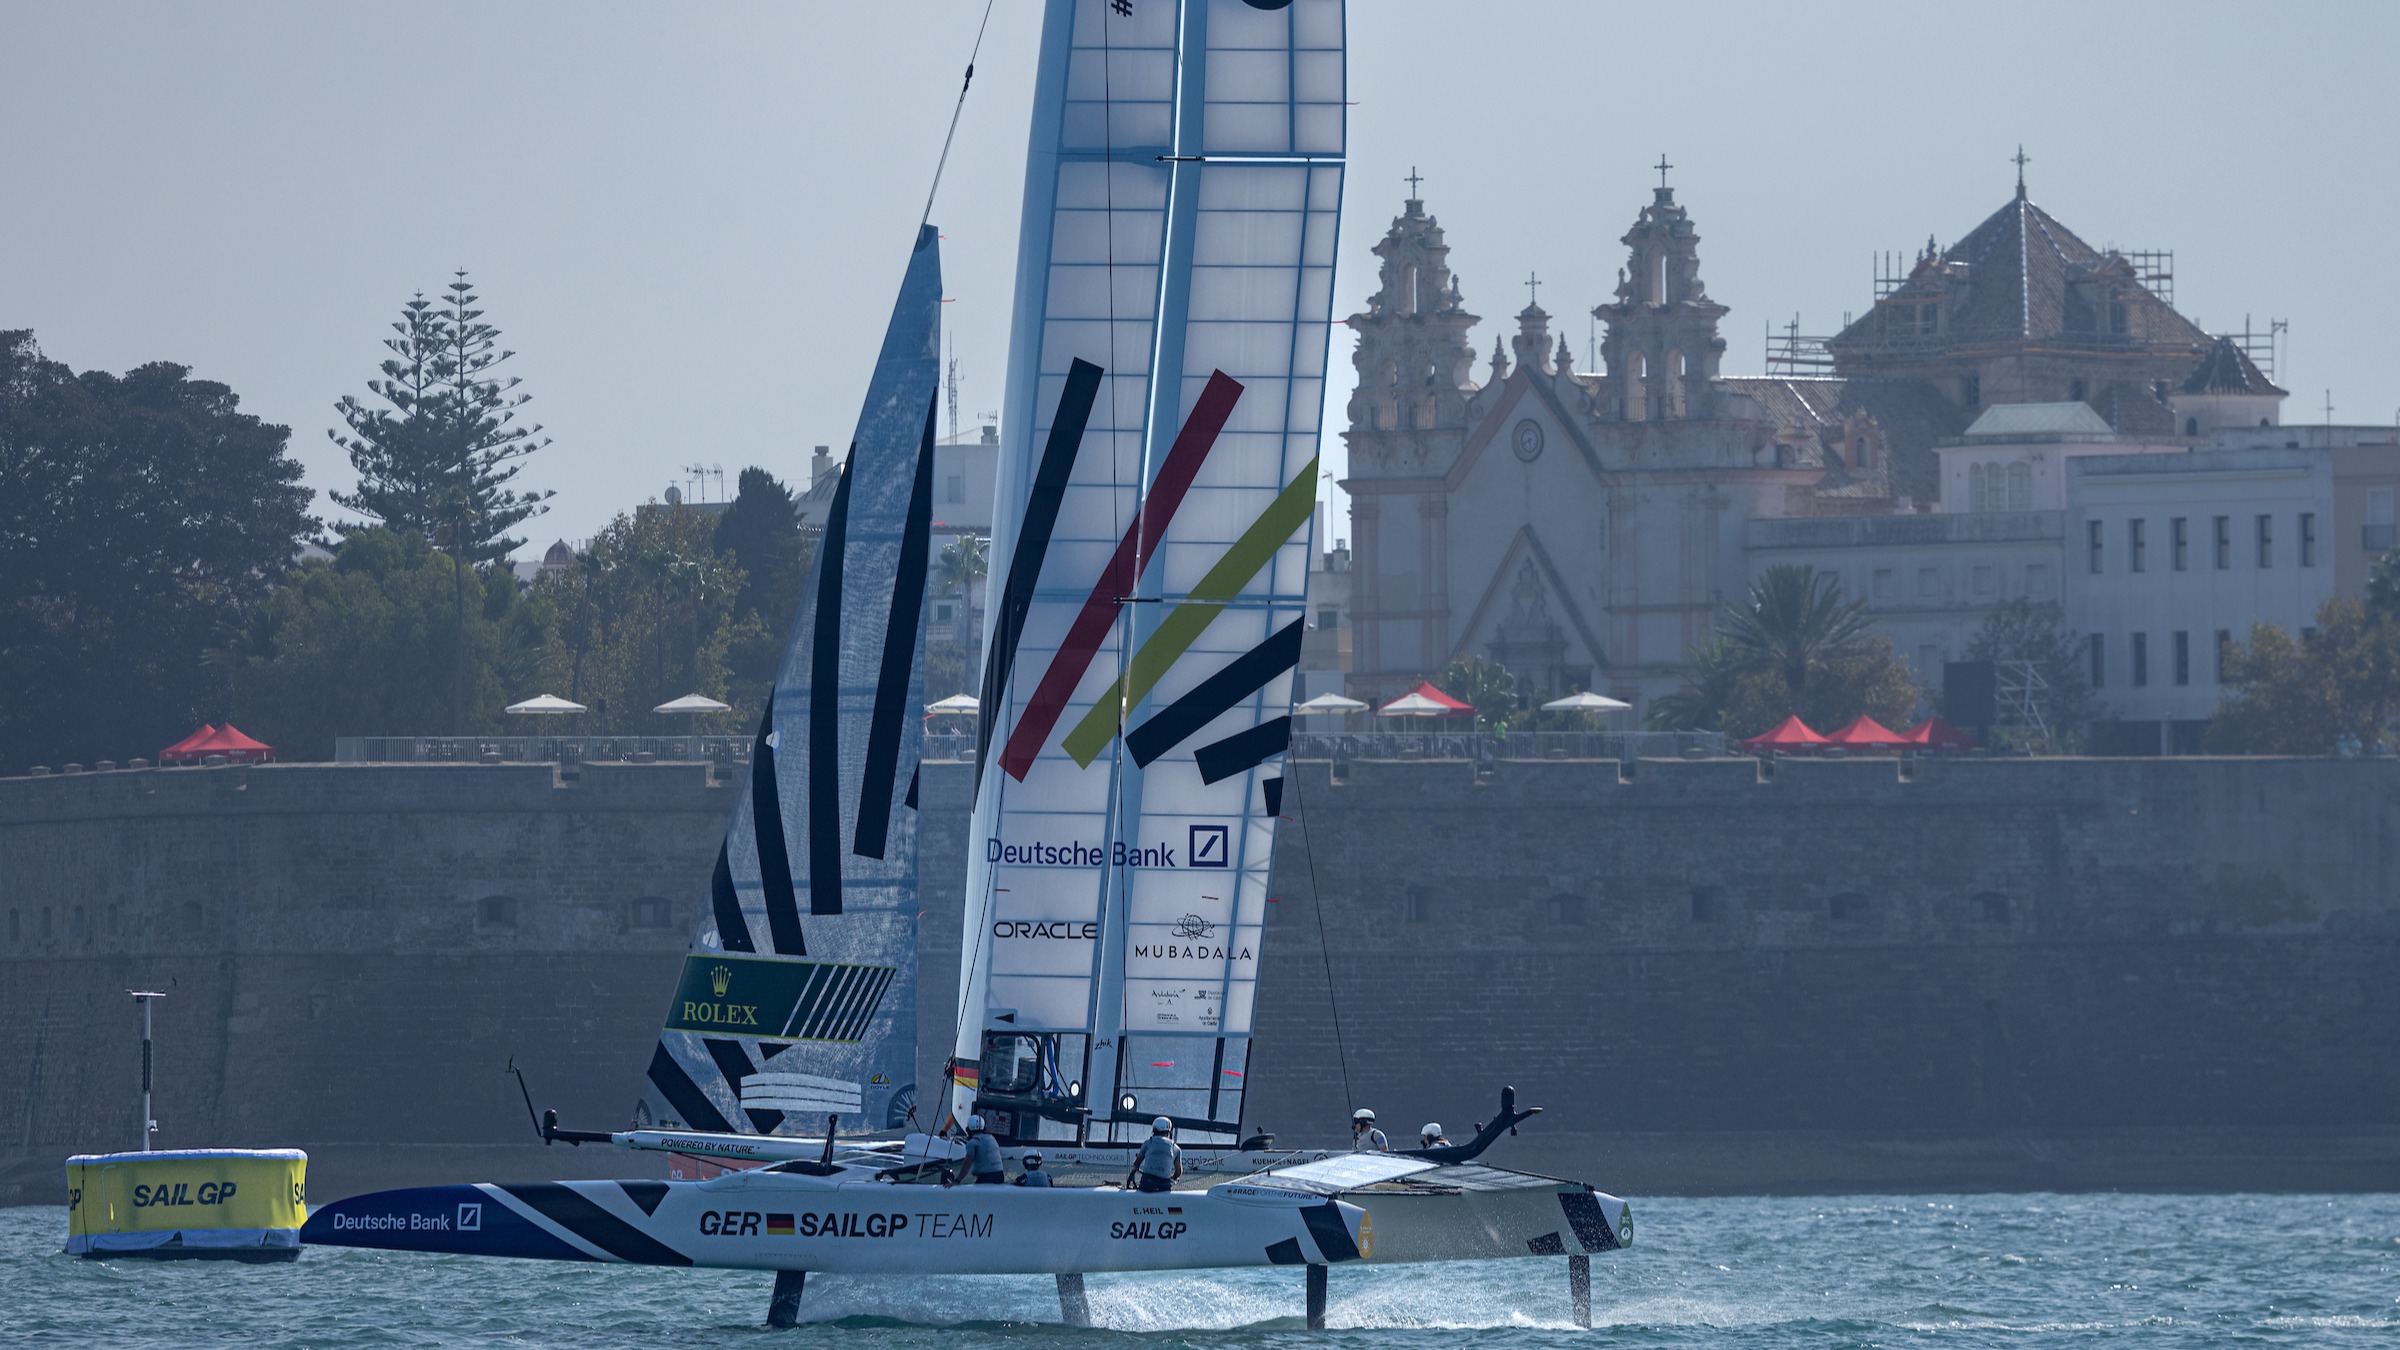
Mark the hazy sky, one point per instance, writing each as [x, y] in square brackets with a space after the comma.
[690, 220]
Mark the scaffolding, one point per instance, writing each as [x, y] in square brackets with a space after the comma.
[1791, 354]
[2155, 269]
[2261, 346]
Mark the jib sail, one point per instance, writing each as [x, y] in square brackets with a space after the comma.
[798, 998]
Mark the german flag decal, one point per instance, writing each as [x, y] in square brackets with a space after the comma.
[779, 1225]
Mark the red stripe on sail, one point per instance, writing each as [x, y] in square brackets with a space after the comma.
[1099, 612]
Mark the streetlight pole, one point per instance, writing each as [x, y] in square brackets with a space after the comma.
[145, 997]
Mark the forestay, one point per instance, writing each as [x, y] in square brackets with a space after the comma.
[798, 996]
[1150, 558]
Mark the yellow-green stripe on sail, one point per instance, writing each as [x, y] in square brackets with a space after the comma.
[1184, 625]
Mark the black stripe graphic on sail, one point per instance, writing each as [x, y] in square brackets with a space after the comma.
[915, 775]
[899, 661]
[1216, 695]
[575, 1212]
[1243, 751]
[837, 1002]
[1272, 790]
[733, 927]
[825, 709]
[774, 860]
[690, 1103]
[1033, 543]
[734, 1063]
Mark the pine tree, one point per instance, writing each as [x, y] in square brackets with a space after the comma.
[438, 460]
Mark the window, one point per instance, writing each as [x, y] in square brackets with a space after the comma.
[1329, 617]
[1419, 906]
[2224, 641]
[496, 913]
[1971, 391]
[2308, 539]
[2308, 636]
[2183, 657]
[2099, 650]
[2179, 543]
[954, 488]
[1929, 582]
[1979, 488]
[2020, 487]
[2075, 390]
[2141, 660]
[2092, 534]
[2376, 535]
[1849, 907]
[1991, 907]
[2224, 541]
[2137, 545]
[1882, 584]
[2266, 541]
[1563, 910]
[1983, 580]
[652, 911]
[2191, 427]
[945, 612]
[1708, 904]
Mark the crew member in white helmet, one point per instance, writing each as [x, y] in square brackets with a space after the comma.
[1158, 1164]
[983, 1154]
[1364, 1137]
[1431, 1136]
[1034, 1175]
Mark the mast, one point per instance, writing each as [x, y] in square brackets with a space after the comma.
[1181, 199]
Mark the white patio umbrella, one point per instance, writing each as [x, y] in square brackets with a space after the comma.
[964, 704]
[1414, 705]
[544, 705]
[1330, 703]
[1585, 702]
[692, 703]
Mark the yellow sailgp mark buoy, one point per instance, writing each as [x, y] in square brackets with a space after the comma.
[243, 1204]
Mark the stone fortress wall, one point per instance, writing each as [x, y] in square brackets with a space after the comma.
[1834, 976]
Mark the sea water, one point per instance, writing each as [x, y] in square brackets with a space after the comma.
[1979, 1270]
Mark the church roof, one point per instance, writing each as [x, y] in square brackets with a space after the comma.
[2227, 369]
[2014, 278]
[1911, 414]
[2040, 419]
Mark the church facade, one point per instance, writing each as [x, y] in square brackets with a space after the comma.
[1584, 528]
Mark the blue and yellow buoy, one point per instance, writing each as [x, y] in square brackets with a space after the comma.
[242, 1204]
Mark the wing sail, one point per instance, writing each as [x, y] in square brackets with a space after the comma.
[1158, 477]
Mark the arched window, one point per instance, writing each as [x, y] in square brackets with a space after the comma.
[1860, 457]
[2020, 486]
[1979, 488]
[1672, 398]
[1658, 283]
[2191, 426]
[1408, 289]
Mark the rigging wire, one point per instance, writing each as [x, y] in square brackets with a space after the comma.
[955, 111]
[1316, 905]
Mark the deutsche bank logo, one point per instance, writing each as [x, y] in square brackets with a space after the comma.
[470, 1218]
[1212, 846]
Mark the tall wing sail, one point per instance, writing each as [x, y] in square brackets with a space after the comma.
[1150, 558]
[798, 997]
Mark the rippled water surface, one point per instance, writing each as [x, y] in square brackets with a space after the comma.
[2001, 1270]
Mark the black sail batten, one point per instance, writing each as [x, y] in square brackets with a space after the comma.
[1215, 696]
[825, 710]
[774, 859]
[900, 633]
[725, 905]
[1007, 618]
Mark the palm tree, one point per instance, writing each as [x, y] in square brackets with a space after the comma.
[1795, 626]
[963, 563]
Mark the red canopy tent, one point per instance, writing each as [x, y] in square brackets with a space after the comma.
[1867, 734]
[1789, 734]
[1429, 694]
[1935, 734]
[182, 752]
[226, 740]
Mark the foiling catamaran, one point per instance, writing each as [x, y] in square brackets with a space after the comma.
[1156, 496]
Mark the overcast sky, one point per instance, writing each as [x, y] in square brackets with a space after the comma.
[690, 220]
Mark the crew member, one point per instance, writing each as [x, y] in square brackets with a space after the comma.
[1431, 1136]
[983, 1154]
[1158, 1164]
[1364, 1137]
[1034, 1175]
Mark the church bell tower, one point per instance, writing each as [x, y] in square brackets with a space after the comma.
[1660, 350]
